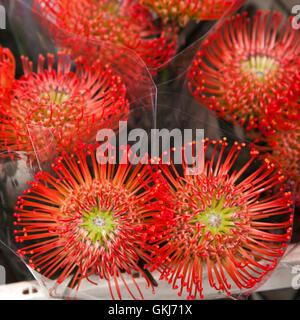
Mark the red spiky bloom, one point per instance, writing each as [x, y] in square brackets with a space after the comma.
[248, 72]
[183, 11]
[7, 71]
[88, 220]
[124, 23]
[74, 105]
[228, 223]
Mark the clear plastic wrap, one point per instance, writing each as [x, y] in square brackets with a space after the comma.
[88, 290]
[177, 108]
[121, 96]
[20, 170]
[17, 169]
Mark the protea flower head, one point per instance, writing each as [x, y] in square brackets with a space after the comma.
[7, 70]
[88, 220]
[248, 72]
[73, 105]
[124, 23]
[228, 223]
[183, 11]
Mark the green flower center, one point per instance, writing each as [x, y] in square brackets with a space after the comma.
[99, 224]
[260, 65]
[217, 218]
[56, 96]
[57, 107]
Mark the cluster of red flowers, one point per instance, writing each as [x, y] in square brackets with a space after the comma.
[122, 23]
[99, 220]
[225, 219]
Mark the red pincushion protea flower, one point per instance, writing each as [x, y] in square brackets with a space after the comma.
[73, 105]
[248, 72]
[228, 222]
[7, 71]
[189, 9]
[89, 220]
[124, 23]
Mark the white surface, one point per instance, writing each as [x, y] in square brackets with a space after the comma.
[283, 277]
